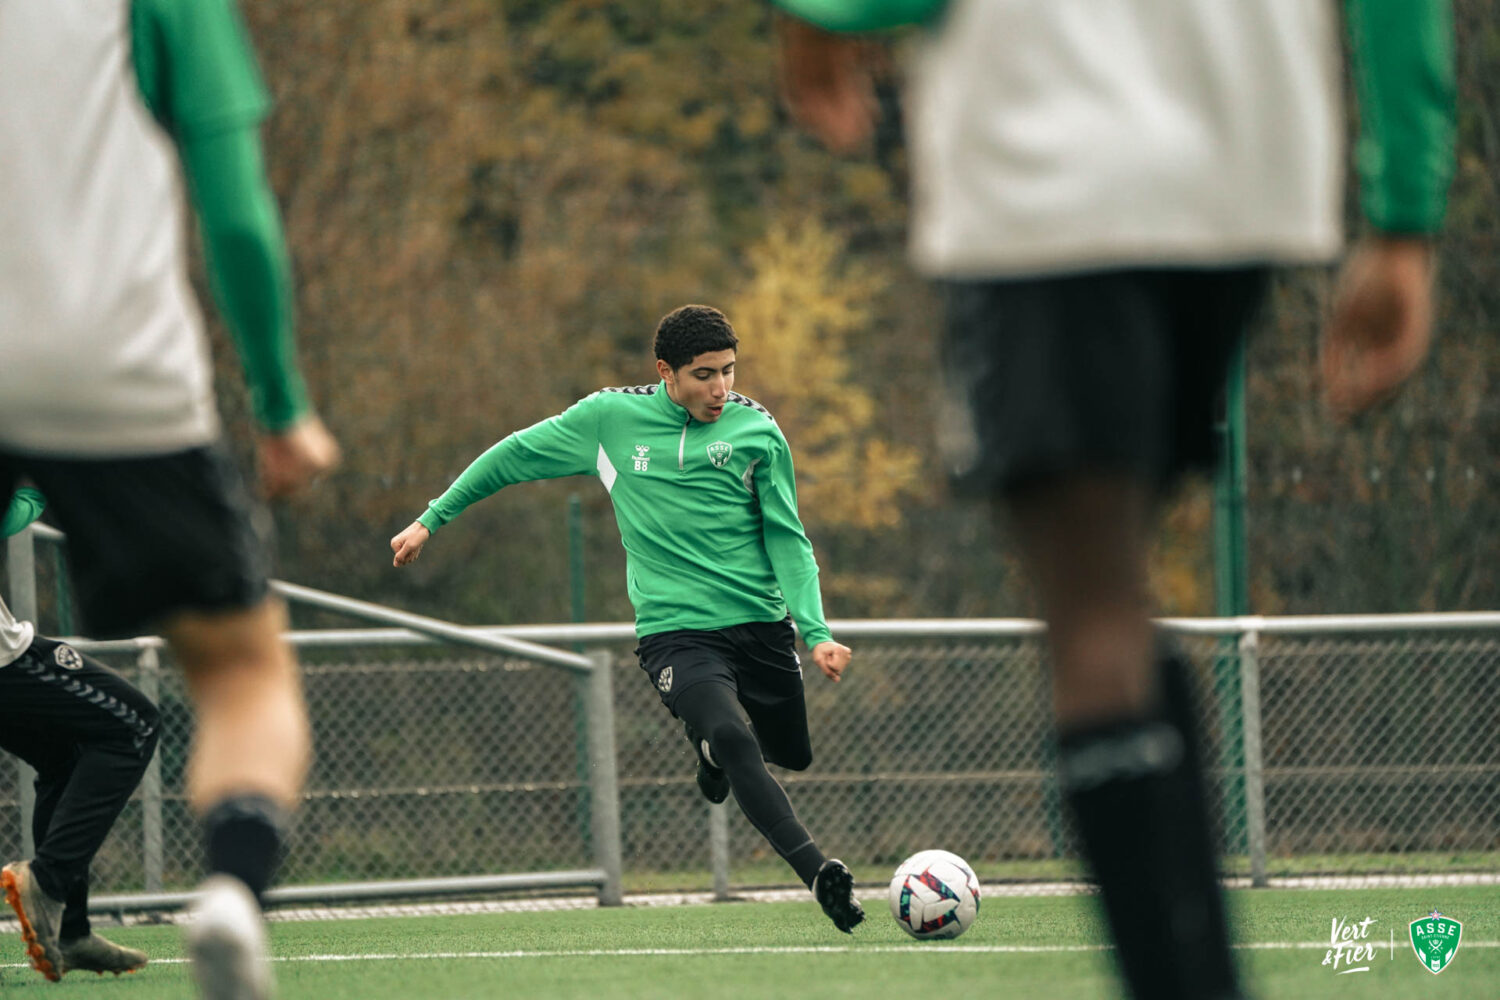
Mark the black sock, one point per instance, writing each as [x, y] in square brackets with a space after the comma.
[1136, 790]
[244, 835]
[75, 919]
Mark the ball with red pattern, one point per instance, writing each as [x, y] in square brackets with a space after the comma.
[934, 894]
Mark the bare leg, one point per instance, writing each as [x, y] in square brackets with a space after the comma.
[1127, 746]
[252, 736]
[1084, 541]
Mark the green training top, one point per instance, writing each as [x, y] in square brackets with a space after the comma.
[707, 512]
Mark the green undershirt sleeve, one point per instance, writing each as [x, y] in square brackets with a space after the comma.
[248, 267]
[863, 15]
[564, 445]
[790, 552]
[26, 506]
[198, 76]
[1404, 78]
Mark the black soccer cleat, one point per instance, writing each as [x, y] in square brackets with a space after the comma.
[712, 781]
[834, 889]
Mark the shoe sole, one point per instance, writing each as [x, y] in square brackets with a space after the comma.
[100, 972]
[124, 971]
[840, 885]
[34, 949]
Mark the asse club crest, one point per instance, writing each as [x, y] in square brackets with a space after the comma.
[1435, 939]
[719, 452]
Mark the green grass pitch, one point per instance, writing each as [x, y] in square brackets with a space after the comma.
[1020, 947]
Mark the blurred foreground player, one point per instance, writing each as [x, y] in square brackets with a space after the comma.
[1101, 187]
[89, 734]
[705, 496]
[106, 402]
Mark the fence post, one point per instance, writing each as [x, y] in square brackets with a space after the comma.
[1254, 753]
[718, 849]
[604, 783]
[148, 664]
[21, 566]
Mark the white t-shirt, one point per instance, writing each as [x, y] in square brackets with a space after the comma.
[15, 637]
[102, 349]
[1064, 135]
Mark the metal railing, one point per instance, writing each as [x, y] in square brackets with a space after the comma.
[593, 669]
[1358, 746]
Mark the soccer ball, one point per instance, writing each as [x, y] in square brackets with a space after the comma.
[935, 894]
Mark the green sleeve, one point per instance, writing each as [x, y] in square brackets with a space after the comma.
[564, 445]
[863, 15]
[248, 268]
[198, 76]
[194, 65]
[1404, 76]
[787, 546]
[26, 506]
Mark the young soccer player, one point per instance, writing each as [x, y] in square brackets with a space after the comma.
[106, 403]
[1101, 187]
[703, 490]
[89, 734]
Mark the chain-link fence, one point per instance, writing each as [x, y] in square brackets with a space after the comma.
[1375, 755]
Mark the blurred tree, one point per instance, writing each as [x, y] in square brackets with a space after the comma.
[491, 202]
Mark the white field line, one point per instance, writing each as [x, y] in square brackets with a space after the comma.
[928, 949]
[870, 895]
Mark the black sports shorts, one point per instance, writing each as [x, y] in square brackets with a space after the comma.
[1100, 371]
[151, 536]
[757, 660]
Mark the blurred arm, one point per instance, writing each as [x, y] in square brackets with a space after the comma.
[198, 76]
[1380, 329]
[863, 15]
[1403, 71]
[26, 506]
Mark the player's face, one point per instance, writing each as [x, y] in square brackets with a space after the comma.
[702, 385]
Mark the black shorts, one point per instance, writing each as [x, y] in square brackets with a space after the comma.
[152, 536]
[1112, 371]
[757, 660]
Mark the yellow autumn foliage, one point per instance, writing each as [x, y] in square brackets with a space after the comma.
[803, 314]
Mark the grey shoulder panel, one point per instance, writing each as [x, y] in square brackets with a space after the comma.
[749, 403]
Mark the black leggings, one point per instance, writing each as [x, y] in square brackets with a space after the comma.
[712, 712]
[89, 734]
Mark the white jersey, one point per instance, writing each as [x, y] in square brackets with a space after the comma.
[102, 349]
[1064, 135]
[15, 637]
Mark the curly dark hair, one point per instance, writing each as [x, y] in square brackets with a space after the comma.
[688, 331]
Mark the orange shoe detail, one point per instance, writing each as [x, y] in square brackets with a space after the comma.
[34, 949]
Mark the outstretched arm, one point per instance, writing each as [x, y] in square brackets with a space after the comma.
[564, 445]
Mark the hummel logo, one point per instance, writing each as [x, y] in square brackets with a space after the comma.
[641, 460]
